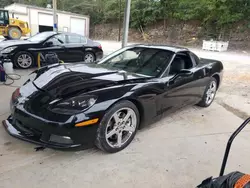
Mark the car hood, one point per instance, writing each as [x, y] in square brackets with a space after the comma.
[8, 43]
[70, 80]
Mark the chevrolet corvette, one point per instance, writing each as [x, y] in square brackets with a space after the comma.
[67, 106]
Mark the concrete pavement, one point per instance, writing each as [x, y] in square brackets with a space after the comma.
[178, 151]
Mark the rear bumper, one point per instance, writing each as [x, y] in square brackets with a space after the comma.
[99, 55]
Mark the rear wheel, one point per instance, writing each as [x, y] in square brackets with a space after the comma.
[89, 57]
[118, 127]
[209, 94]
[14, 33]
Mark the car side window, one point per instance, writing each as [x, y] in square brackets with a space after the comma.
[61, 38]
[181, 61]
[195, 58]
[57, 40]
[74, 39]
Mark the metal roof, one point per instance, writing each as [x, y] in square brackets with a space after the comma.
[174, 49]
[47, 9]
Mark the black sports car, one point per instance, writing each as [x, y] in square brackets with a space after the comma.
[69, 47]
[72, 105]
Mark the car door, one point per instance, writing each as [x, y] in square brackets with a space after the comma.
[56, 44]
[180, 83]
[201, 74]
[74, 48]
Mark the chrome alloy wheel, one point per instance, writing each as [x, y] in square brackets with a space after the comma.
[24, 61]
[120, 128]
[89, 58]
[211, 92]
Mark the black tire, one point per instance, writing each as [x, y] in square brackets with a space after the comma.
[101, 140]
[30, 62]
[89, 55]
[14, 33]
[204, 102]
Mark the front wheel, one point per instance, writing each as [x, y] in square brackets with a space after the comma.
[23, 60]
[118, 127]
[209, 94]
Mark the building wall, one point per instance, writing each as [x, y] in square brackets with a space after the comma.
[19, 16]
[31, 15]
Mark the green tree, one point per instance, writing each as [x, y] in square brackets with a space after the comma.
[215, 15]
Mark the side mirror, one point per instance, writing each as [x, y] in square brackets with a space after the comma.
[48, 43]
[185, 72]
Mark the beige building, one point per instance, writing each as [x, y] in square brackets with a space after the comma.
[41, 19]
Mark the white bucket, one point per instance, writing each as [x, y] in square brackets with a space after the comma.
[8, 67]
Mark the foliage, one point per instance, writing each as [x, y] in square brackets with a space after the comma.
[216, 14]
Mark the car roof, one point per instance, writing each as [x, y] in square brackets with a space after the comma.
[174, 49]
[61, 32]
[69, 33]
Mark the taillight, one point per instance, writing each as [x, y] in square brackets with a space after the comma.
[100, 46]
[16, 94]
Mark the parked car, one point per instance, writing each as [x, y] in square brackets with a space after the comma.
[74, 105]
[69, 47]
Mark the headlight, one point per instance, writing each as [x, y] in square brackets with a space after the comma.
[8, 50]
[74, 105]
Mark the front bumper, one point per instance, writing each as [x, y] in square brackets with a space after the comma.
[12, 130]
[6, 57]
[51, 139]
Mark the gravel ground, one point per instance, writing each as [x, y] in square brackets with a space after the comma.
[236, 79]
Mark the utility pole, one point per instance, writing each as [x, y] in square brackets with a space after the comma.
[120, 21]
[55, 26]
[126, 23]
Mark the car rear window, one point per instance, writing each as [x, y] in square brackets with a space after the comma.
[83, 40]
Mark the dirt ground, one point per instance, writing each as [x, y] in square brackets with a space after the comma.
[178, 151]
[176, 32]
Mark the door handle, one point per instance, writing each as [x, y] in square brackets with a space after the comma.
[174, 80]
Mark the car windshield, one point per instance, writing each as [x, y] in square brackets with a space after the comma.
[40, 37]
[139, 60]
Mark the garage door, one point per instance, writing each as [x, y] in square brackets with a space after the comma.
[45, 22]
[77, 25]
[45, 19]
